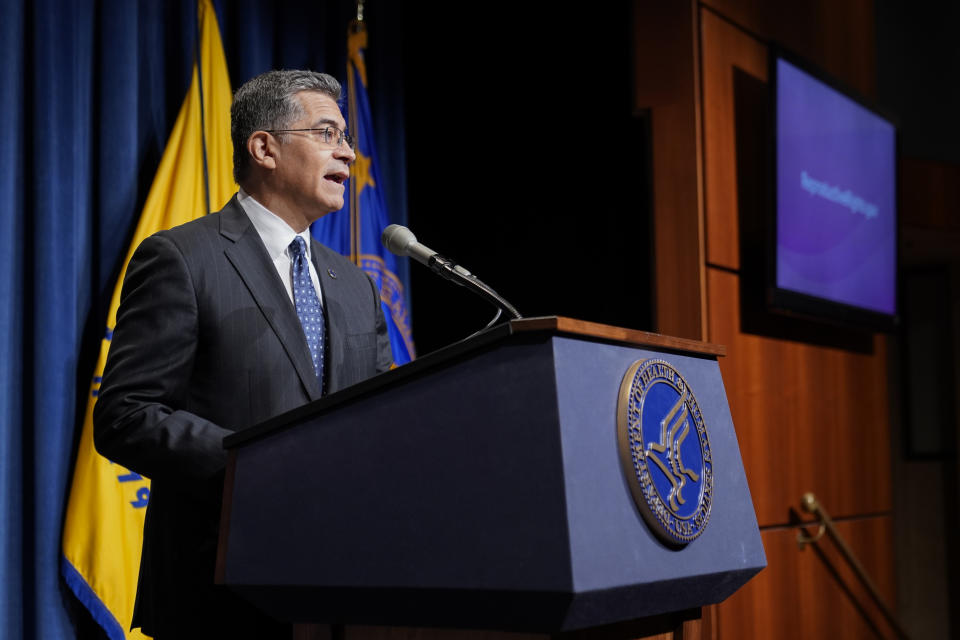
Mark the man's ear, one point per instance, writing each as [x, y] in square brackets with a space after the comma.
[263, 149]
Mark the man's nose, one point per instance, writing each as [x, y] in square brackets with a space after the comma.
[345, 152]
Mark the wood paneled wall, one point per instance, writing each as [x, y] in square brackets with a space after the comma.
[799, 596]
[810, 403]
[667, 83]
[808, 418]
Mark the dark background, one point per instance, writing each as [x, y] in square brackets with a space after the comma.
[526, 164]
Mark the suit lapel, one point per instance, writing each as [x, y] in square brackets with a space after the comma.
[333, 311]
[249, 257]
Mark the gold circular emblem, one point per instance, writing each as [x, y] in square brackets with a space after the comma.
[665, 451]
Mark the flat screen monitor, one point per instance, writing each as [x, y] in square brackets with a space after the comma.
[834, 237]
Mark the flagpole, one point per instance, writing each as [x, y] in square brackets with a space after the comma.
[368, 214]
[203, 125]
[356, 26]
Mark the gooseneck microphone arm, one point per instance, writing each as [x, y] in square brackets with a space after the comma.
[400, 241]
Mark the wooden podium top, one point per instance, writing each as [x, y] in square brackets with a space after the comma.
[619, 334]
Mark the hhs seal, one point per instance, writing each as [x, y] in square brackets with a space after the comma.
[665, 451]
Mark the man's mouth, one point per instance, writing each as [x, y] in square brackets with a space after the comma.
[338, 176]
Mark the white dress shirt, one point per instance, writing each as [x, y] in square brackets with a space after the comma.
[277, 236]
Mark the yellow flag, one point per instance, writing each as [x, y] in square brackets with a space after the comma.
[103, 530]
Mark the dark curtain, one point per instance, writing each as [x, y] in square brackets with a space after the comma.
[88, 93]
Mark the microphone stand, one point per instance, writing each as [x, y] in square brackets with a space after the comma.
[458, 275]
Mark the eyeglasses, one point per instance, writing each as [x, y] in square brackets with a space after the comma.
[328, 135]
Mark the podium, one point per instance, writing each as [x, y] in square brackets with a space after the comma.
[485, 486]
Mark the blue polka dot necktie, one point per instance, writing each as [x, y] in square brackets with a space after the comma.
[308, 304]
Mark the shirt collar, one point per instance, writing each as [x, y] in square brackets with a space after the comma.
[275, 233]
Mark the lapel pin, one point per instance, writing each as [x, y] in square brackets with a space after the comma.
[332, 273]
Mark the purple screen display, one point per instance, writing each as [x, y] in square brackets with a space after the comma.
[836, 213]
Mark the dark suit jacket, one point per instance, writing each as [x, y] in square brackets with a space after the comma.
[207, 342]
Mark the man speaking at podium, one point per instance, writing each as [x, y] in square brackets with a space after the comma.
[227, 321]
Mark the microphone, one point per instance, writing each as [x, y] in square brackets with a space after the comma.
[400, 241]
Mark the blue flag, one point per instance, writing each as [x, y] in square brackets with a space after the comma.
[355, 230]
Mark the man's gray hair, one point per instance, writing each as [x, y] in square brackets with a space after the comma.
[267, 102]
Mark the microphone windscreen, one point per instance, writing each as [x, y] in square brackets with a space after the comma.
[398, 239]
